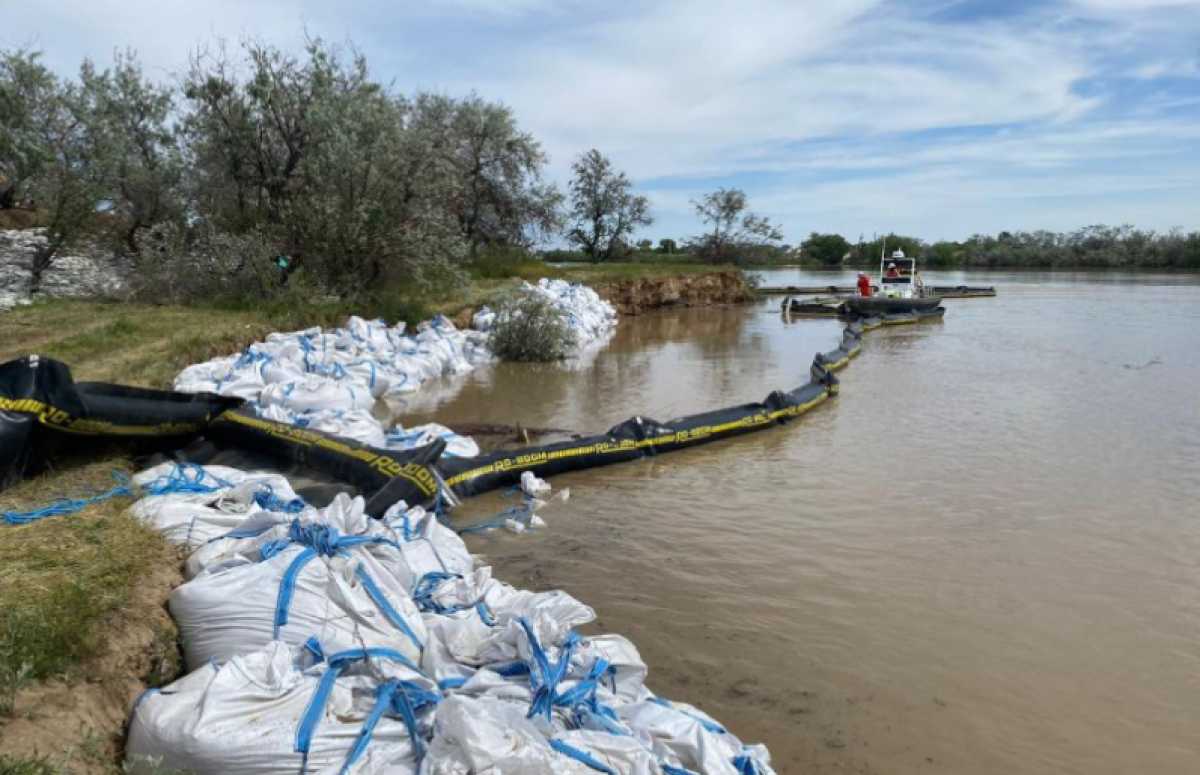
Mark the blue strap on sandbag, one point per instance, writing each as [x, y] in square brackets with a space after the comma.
[403, 698]
[544, 677]
[580, 755]
[711, 726]
[283, 601]
[185, 478]
[389, 612]
[65, 506]
[323, 540]
[745, 765]
[267, 500]
[316, 704]
[581, 699]
[670, 769]
[426, 587]
[446, 684]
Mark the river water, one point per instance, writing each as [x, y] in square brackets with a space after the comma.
[982, 557]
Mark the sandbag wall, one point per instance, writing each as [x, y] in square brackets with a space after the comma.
[322, 640]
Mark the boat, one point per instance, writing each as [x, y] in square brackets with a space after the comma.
[900, 291]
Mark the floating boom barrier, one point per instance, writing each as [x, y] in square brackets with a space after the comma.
[42, 409]
[945, 291]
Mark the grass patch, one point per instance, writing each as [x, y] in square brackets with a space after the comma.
[60, 578]
[14, 765]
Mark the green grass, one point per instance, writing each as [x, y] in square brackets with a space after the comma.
[10, 765]
[61, 578]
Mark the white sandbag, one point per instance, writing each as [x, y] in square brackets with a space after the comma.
[315, 393]
[532, 486]
[291, 595]
[492, 735]
[479, 735]
[420, 435]
[357, 424]
[262, 714]
[191, 505]
[428, 546]
[405, 545]
[471, 640]
[626, 677]
[483, 319]
[685, 736]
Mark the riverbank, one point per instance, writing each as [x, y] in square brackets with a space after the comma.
[83, 625]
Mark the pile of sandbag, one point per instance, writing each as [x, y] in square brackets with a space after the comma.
[588, 317]
[322, 640]
[331, 380]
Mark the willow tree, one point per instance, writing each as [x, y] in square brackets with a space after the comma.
[733, 233]
[29, 94]
[604, 208]
[137, 160]
[503, 198]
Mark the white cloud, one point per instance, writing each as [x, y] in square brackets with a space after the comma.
[673, 91]
[778, 96]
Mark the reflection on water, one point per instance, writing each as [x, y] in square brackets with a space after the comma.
[982, 557]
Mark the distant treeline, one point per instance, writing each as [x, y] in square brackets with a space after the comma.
[1092, 247]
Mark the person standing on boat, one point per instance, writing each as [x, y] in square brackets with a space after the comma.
[864, 284]
[892, 271]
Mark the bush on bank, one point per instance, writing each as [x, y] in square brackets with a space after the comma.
[529, 328]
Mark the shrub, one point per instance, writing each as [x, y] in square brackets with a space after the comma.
[529, 328]
[178, 265]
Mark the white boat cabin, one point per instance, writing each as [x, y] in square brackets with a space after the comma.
[898, 277]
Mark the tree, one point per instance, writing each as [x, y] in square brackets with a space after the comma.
[943, 255]
[374, 198]
[868, 253]
[249, 138]
[503, 198]
[67, 185]
[735, 235]
[29, 94]
[825, 249]
[604, 208]
[138, 162]
[667, 246]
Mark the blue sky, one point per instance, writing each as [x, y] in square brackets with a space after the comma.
[939, 118]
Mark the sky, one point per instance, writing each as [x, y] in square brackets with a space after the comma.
[935, 118]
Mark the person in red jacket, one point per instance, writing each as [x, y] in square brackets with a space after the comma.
[864, 284]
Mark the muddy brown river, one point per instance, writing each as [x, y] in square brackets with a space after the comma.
[982, 557]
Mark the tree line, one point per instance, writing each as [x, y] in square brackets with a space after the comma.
[1092, 247]
[257, 167]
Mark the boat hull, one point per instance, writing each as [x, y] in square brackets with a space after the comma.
[881, 305]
